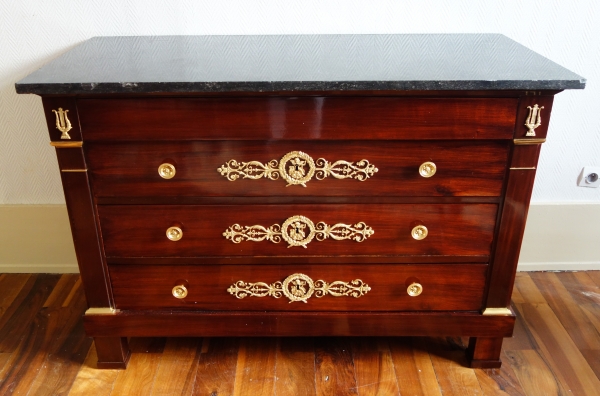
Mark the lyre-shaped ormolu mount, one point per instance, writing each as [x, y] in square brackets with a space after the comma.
[63, 123]
[534, 119]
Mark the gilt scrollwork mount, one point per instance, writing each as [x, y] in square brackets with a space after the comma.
[298, 231]
[299, 287]
[297, 168]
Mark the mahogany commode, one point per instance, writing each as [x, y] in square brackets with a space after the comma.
[334, 185]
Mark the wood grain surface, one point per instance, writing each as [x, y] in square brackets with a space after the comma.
[130, 169]
[295, 367]
[509, 237]
[186, 323]
[445, 287]
[44, 352]
[293, 118]
[140, 230]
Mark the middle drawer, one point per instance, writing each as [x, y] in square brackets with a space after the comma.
[251, 168]
[297, 230]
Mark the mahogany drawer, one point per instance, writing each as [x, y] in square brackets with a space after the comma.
[300, 288]
[206, 168]
[293, 118]
[311, 230]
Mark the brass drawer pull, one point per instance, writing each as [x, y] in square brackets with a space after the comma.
[419, 232]
[166, 171]
[297, 168]
[299, 287]
[298, 231]
[414, 289]
[427, 169]
[174, 233]
[180, 291]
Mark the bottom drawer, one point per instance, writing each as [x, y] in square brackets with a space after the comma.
[342, 287]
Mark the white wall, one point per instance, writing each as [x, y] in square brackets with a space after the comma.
[34, 32]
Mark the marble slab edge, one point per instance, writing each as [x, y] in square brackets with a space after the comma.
[291, 86]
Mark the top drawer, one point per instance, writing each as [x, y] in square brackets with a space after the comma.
[288, 118]
[327, 168]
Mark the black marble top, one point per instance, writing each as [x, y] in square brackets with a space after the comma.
[298, 63]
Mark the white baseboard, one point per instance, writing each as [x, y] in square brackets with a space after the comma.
[70, 268]
[36, 238]
[561, 237]
[559, 266]
[558, 237]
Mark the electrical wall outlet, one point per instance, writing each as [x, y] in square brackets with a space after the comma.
[589, 177]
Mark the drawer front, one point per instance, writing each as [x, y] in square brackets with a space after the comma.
[276, 118]
[348, 287]
[310, 230]
[249, 168]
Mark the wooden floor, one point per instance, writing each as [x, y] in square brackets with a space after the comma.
[555, 351]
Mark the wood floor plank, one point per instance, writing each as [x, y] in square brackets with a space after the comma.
[216, 369]
[10, 361]
[27, 362]
[573, 319]
[14, 297]
[413, 368]
[517, 297]
[593, 359]
[592, 311]
[528, 289]
[373, 367]
[26, 335]
[558, 350]
[141, 371]
[335, 375]
[595, 275]
[534, 375]
[521, 339]
[188, 388]
[502, 381]
[4, 358]
[581, 286]
[67, 344]
[66, 281]
[24, 308]
[59, 371]
[178, 362]
[6, 361]
[10, 286]
[73, 292]
[450, 366]
[295, 367]
[586, 297]
[255, 371]
[92, 381]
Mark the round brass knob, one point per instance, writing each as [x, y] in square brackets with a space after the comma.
[174, 233]
[166, 171]
[180, 291]
[414, 289]
[419, 232]
[427, 169]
